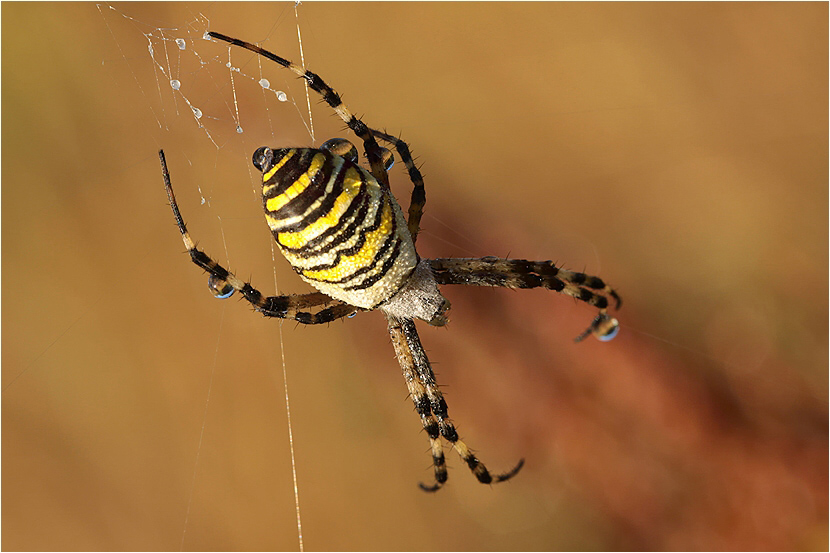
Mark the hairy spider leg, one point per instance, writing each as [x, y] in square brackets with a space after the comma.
[419, 198]
[223, 282]
[373, 151]
[431, 407]
[520, 273]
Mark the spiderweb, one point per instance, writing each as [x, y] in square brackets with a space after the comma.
[220, 102]
[190, 82]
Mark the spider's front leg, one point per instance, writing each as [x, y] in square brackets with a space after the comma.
[374, 153]
[431, 407]
[520, 273]
[224, 283]
[418, 199]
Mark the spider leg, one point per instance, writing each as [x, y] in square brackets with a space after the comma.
[419, 397]
[224, 282]
[520, 273]
[370, 145]
[419, 199]
[431, 407]
[332, 98]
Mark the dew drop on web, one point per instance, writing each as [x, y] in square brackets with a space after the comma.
[220, 289]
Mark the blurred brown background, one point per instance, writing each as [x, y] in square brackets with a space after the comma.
[677, 150]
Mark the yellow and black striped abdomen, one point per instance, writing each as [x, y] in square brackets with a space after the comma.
[341, 231]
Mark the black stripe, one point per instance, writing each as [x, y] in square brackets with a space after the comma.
[357, 245]
[368, 267]
[315, 189]
[363, 199]
[288, 174]
[383, 270]
[311, 249]
[324, 207]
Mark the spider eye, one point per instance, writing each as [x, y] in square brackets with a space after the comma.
[341, 147]
[263, 159]
[221, 289]
[387, 158]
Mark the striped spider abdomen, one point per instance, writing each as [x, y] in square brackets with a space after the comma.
[338, 228]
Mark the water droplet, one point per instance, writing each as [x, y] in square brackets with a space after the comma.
[387, 158]
[264, 83]
[341, 147]
[181, 43]
[175, 84]
[197, 112]
[150, 48]
[228, 65]
[239, 129]
[608, 331]
[352, 315]
[282, 96]
[206, 36]
[220, 288]
[604, 327]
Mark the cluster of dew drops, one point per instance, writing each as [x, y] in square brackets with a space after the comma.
[175, 84]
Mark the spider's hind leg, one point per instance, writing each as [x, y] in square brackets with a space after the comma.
[431, 407]
[520, 273]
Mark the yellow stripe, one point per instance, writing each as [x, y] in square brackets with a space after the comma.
[351, 263]
[351, 187]
[273, 204]
[267, 176]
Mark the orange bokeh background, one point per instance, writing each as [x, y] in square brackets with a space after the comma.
[677, 150]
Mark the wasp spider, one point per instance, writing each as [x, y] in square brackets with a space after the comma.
[343, 231]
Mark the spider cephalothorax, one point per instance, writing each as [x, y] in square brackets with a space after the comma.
[342, 230]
